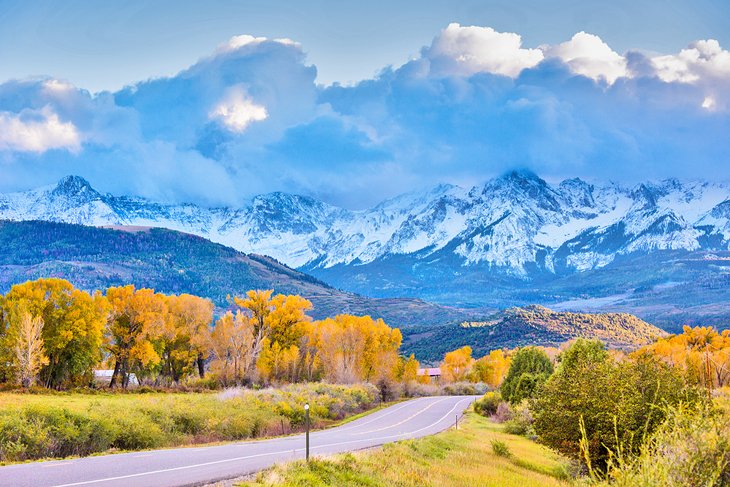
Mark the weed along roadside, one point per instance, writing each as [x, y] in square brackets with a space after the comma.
[454, 458]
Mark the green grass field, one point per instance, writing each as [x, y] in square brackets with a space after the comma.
[463, 457]
[34, 426]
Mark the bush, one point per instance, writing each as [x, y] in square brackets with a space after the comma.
[465, 389]
[488, 404]
[692, 447]
[530, 367]
[619, 403]
[503, 413]
[521, 421]
[500, 448]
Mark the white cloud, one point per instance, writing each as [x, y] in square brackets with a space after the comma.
[37, 131]
[468, 50]
[237, 110]
[702, 59]
[587, 55]
[243, 40]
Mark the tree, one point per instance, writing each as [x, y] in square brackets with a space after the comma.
[137, 318]
[355, 348]
[408, 370]
[73, 324]
[280, 319]
[530, 367]
[491, 369]
[231, 345]
[186, 337]
[25, 338]
[594, 406]
[456, 365]
[701, 352]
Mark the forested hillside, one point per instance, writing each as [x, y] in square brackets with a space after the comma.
[531, 325]
[173, 262]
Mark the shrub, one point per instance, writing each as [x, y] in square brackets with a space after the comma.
[500, 448]
[521, 421]
[465, 389]
[692, 447]
[503, 413]
[530, 367]
[619, 403]
[488, 404]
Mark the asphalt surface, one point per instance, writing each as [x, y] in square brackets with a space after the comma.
[195, 466]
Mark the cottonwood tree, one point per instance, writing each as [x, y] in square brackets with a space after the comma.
[73, 324]
[26, 342]
[491, 369]
[279, 323]
[231, 345]
[701, 352]
[185, 336]
[137, 317]
[456, 365]
[355, 348]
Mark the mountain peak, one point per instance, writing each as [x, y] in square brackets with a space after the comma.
[73, 185]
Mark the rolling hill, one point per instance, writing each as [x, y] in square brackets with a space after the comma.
[174, 262]
[530, 325]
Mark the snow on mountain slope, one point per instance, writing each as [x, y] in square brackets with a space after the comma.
[512, 224]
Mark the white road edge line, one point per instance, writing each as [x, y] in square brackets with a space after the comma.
[187, 467]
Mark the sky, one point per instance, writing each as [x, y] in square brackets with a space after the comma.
[353, 102]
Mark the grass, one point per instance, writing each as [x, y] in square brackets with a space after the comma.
[463, 457]
[35, 426]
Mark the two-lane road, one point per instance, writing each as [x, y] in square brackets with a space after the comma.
[191, 466]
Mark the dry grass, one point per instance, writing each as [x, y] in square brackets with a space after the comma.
[449, 459]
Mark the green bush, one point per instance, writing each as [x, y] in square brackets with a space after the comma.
[692, 447]
[521, 421]
[488, 404]
[500, 448]
[530, 367]
[40, 426]
[619, 403]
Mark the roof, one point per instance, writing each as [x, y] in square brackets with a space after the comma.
[431, 371]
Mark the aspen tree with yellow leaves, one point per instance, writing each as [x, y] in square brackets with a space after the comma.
[137, 317]
[72, 331]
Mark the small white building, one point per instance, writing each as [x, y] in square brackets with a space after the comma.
[104, 376]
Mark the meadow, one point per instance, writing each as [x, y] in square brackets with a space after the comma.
[35, 426]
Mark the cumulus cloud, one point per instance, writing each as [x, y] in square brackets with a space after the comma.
[466, 50]
[701, 59]
[37, 131]
[237, 110]
[587, 55]
[250, 118]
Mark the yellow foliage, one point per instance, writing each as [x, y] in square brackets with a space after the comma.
[456, 365]
[702, 352]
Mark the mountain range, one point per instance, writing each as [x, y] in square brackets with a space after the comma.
[514, 240]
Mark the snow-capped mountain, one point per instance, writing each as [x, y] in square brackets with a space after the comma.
[514, 225]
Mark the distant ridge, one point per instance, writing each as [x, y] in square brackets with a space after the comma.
[532, 325]
[173, 262]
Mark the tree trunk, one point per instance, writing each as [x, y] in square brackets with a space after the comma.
[114, 375]
[201, 366]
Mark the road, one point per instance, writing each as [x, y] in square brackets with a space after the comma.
[193, 466]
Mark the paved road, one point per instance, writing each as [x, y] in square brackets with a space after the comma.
[193, 466]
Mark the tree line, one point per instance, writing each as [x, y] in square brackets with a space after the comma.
[55, 335]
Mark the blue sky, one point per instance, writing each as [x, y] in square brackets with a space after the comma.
[105, 45]
[215, 102]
